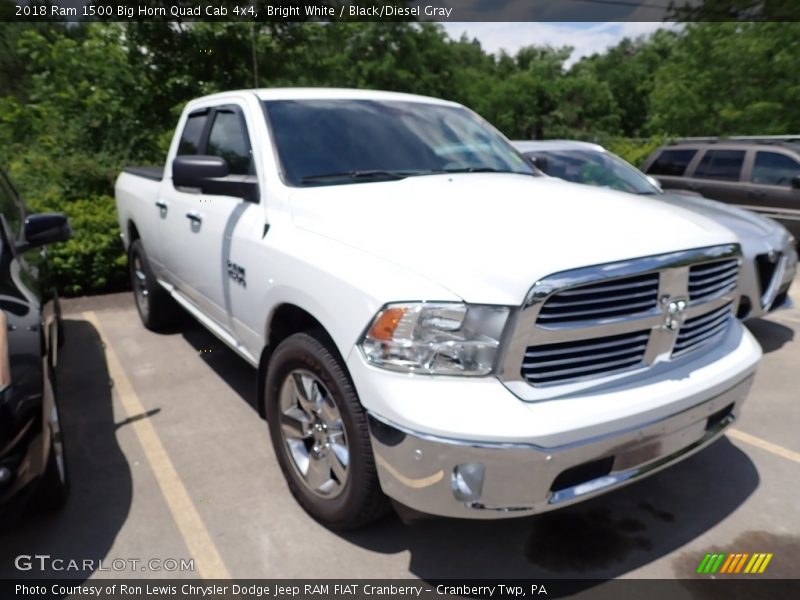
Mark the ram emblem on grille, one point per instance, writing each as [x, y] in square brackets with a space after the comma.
[674, 312]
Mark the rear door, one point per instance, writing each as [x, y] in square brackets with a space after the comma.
[202, 225]
[769, 186]
[717, 175]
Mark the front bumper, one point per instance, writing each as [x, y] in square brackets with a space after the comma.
[482, 480]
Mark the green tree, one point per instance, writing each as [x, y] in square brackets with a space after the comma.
[629, 70]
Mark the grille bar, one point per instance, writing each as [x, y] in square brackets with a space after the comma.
[601, 288]
[571, 360]
[585, 358]
[602, 300]
[584, 347]
[701, 330]
[711, 280]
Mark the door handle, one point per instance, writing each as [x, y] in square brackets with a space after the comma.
[161, 204]
[194, 216]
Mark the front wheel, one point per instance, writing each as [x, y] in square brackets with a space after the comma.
[320, 434]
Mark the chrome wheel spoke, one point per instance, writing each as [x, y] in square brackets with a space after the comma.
[338, 459]
[304, 390]
[318, 473]
[313, 433]
[330, 414]
[295, 423]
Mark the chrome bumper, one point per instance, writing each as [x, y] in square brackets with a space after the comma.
[489, 481]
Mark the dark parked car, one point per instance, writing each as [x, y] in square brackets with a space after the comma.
[761, 175]
[32, 458]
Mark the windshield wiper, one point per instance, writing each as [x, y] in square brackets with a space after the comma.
[485, 170]
[371, 175]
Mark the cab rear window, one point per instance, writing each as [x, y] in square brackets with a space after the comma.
[672, 162]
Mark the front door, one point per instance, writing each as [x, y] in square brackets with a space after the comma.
[202, 226]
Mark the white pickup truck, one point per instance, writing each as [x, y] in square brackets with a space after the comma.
[433, 321]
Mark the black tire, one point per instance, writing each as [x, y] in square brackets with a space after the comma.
[54, 486]
[156, 308]
[359, 500]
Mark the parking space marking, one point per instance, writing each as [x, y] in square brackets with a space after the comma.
[781, 317]
[764, 445]
[202, 549]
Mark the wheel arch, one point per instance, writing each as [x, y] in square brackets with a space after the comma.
[286, 320]
[132, 231]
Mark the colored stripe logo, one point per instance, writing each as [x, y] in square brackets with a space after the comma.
[733, 563]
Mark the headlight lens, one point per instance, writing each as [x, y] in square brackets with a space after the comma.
[436, 338]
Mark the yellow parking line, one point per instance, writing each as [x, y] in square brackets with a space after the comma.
[207, 558]
[785, 317]
[764, 445]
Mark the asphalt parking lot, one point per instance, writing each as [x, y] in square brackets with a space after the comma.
[170, 460]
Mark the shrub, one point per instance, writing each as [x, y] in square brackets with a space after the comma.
[93, 260]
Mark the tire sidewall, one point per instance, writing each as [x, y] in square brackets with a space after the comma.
[137, 249]
[301, 351]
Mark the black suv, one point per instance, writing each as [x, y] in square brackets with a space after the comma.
[32, 455]
[761, 175]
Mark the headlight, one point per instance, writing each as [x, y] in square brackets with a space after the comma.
[435, 338]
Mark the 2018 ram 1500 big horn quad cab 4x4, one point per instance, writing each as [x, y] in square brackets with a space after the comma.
[432, 320]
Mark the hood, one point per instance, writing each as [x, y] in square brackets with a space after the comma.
[750, 227]
[487, 237]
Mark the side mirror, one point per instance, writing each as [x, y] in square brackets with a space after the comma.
[540, 162]
[211, 175]
[195, 171]
[654, 182]
[796, 182]
[42, 229]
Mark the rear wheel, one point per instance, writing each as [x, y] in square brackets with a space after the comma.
[156, 307]
[320, 434]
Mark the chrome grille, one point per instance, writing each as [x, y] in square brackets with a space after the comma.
[573, 360]
[579, 326]
[702, 329]
[711, 280]
[602, 300]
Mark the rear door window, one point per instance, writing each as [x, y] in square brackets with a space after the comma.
[772, 168]
[723, 165]
[672, 162]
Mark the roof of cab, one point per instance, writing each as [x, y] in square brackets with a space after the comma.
[322, 93]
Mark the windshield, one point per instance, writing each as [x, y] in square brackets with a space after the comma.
[326, 142]
[594, 168]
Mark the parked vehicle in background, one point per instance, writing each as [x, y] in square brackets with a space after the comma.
[769, 250]
[32, 456]
[759, 174]
[422, 330]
